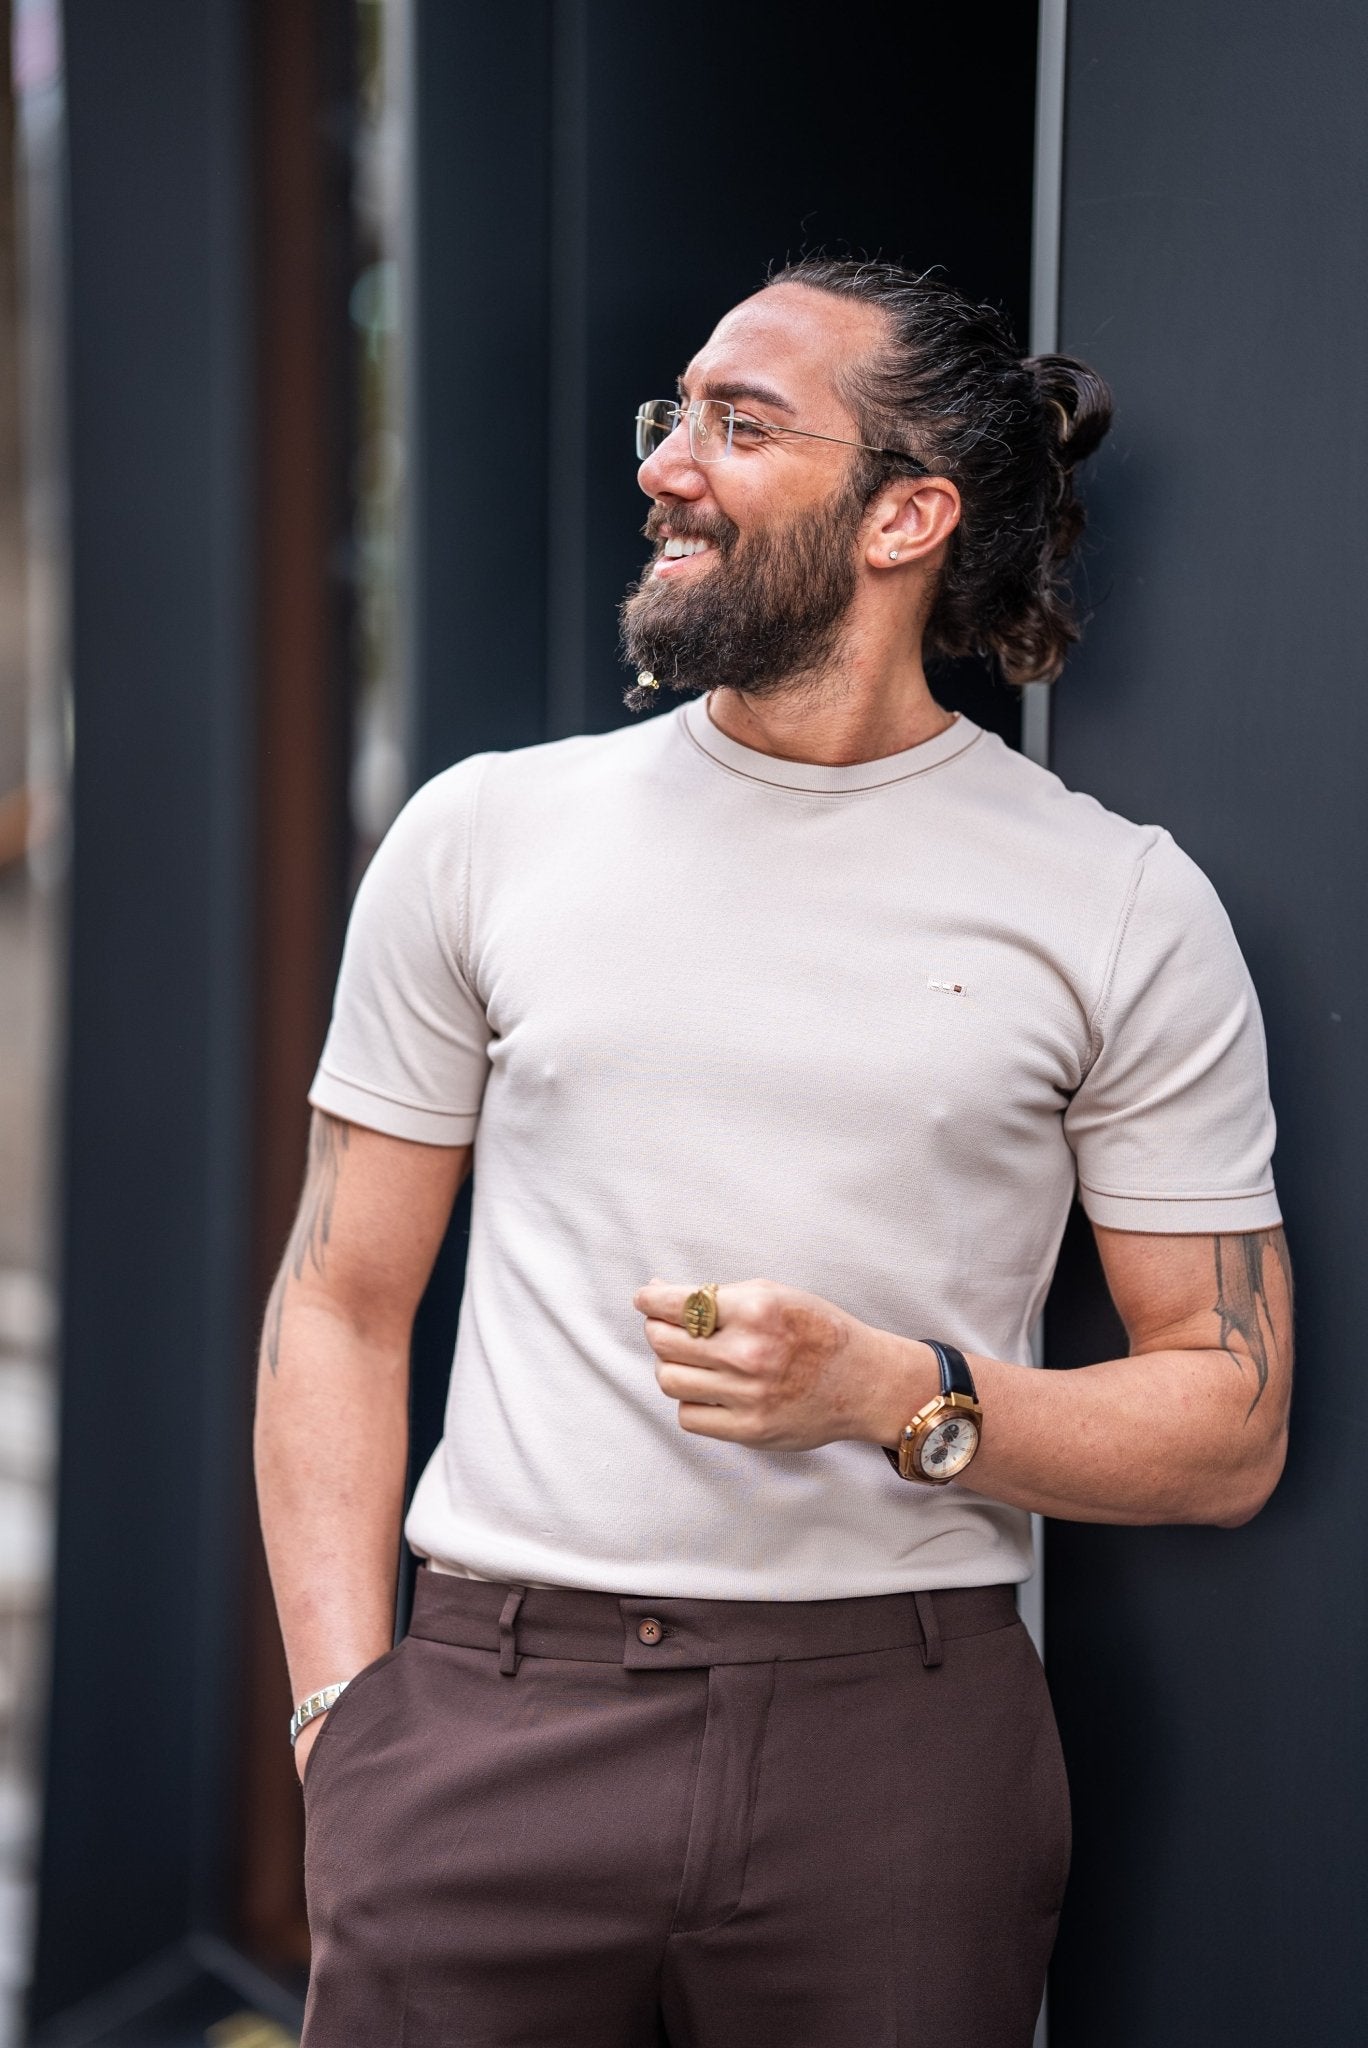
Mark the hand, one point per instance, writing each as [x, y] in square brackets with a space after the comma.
[304, 1742]
[783, 1370]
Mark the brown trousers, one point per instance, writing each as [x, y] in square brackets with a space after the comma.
[569, 1820]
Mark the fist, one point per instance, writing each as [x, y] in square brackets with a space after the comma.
[783, 1370]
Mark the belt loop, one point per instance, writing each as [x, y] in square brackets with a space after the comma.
[930, 1629]
[508, 1641]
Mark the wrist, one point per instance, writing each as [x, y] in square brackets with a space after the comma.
[314, 1706]
[905, 1378]
[304, 1743]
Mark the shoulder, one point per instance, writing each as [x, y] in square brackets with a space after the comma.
[443, 813]
[528, 777]
[1104, 893]
[1031, 802]
[580, 763]
[1068, 834]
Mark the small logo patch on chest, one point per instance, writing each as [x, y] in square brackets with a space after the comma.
[947, 988]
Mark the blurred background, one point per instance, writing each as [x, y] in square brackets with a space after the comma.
[322, 323]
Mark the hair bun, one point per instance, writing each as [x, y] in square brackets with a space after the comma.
[1078, 398]
[1006, 428]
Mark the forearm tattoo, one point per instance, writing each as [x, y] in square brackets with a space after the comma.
[308, 1245]
[1242, 1299]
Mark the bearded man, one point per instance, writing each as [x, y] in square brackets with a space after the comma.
[715, 1722]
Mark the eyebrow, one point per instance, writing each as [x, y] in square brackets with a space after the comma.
[733, 389]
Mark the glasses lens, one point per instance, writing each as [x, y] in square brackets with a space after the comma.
[654, 421]
[710, 430]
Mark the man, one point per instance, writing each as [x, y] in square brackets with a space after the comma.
[784, 1027]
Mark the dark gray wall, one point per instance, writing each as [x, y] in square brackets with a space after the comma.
[1212, 1686]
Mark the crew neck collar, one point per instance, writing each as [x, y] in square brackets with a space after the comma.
[816, 775]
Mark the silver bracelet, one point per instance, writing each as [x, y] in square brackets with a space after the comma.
[317, 1703]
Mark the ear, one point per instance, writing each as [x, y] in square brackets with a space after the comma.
[911, 520]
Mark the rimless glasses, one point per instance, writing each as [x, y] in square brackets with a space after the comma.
[716, 427]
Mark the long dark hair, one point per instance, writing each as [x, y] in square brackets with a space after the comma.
[950, 387]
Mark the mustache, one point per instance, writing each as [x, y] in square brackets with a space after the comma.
[716, 527]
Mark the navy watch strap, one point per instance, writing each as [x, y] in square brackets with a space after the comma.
[955, 1378]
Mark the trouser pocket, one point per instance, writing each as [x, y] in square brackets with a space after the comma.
[337, 1721]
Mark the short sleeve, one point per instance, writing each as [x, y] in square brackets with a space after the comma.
[1172, 1127]
[406, 1052]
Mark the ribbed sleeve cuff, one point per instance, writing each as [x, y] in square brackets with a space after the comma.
[1183, 1215]
[358, 1105]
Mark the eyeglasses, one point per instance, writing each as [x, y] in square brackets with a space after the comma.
[716, 427]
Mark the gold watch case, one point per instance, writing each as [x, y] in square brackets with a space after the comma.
[940, 1441]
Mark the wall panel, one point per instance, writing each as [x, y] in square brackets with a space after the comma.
[1212, 1685]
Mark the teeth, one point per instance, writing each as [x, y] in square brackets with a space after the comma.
[673, 549]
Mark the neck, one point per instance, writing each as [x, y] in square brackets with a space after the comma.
[846, 715]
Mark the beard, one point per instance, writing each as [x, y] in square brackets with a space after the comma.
[766, 617]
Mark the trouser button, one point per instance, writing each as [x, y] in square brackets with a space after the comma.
[649, 1631]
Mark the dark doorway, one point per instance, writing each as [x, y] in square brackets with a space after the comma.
[595, 185]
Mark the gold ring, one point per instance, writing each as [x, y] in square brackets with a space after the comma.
[700, 1310]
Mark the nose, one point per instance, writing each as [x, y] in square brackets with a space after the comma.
[670, 471]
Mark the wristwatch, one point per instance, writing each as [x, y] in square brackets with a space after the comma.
[938, 1443]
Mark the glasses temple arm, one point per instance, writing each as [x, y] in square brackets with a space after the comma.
[683, 412]
[868, 447]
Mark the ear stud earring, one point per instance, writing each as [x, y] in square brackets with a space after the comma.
[892, 554]
[646, 681]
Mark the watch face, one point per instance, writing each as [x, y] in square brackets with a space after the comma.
[948, 1447]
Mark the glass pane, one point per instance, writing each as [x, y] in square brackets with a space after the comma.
[711, 436]
[35, 737]
[655, 421]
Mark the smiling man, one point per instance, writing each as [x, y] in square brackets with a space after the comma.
[781, 1029]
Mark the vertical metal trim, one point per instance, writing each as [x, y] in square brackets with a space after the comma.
[400, 36]
[567, 704]
[409, 592]
[1046, 230]
[1052, 39]
[1049, 175]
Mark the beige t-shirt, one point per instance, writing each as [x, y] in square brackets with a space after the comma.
[711, 1015]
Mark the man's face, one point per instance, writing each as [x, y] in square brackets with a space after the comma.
[762, 605]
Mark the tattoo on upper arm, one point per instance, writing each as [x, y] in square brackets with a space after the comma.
[328, 1140]
[1242, 1298]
